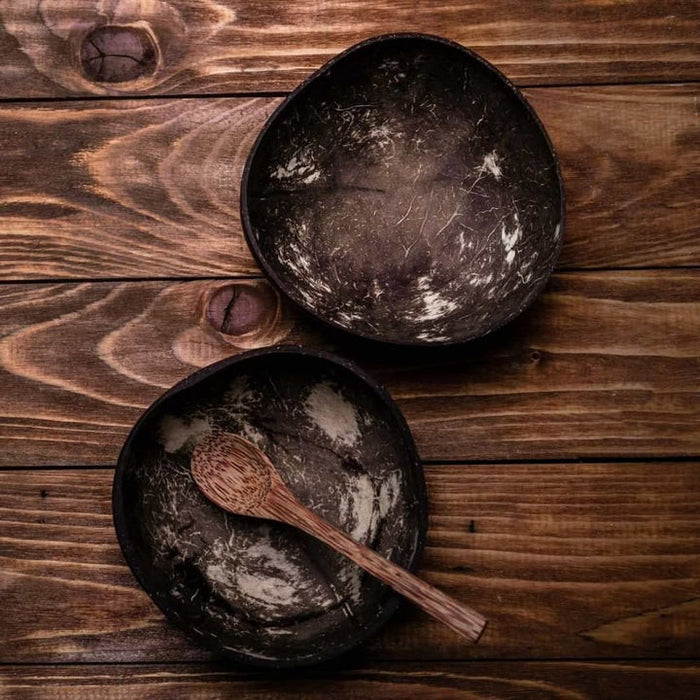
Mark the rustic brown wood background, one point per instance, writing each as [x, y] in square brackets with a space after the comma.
[562, 454]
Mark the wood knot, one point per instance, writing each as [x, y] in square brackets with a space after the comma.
[247, 314]
[118, 54]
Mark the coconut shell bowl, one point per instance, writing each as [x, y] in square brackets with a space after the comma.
[259, 591]
[406, 193]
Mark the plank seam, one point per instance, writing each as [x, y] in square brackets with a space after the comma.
[214, 278]
[276, 93]
[664, 459]
[218, 663]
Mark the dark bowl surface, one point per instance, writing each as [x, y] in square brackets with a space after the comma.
[406, 193]
[258, 591]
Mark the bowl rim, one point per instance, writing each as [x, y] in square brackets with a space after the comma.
[284, 288]
[392, 600]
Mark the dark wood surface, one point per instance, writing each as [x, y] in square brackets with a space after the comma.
[562, 453]
[530, 680]
[604, 365]
[254, 45]
[597, 560]
[150, 188]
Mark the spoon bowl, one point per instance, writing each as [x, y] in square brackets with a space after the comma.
[234, 474]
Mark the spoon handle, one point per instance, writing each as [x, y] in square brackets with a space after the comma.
[461, 618]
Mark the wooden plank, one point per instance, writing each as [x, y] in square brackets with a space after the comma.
[566, 560]
[127, 189]
[249, 45]
[604, 364]
[151, 188]
[486, 680]
[631, 164]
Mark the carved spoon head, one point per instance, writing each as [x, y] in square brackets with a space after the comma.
[234, 474]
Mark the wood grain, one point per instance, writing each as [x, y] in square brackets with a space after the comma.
[631, 164]
[604, 364]
[566, 560]
[487, 680]
[254, 45]
[151, 188]
[126, 189]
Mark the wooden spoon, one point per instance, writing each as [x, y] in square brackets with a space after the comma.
[238, 477]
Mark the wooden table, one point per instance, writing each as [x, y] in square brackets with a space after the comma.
[561, 454]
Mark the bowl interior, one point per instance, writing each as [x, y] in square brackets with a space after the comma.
[406, 193]
[258, 590]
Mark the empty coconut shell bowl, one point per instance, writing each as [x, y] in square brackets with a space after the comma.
[405, 193]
